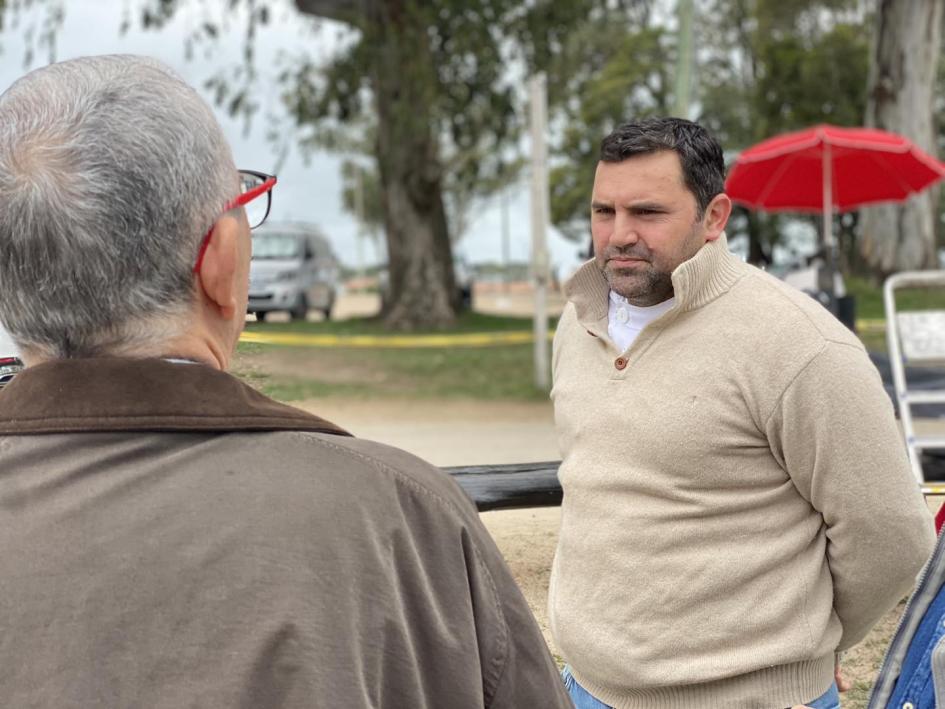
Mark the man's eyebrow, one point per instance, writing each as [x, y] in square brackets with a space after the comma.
[597, 204]
[647, 207]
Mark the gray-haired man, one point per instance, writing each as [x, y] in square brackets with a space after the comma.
[170, 537]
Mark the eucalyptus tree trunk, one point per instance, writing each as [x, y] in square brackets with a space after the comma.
[903, 64]
[421, 289]
[418, 243]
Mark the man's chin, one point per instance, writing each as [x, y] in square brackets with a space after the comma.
[629, 286]
[636, 285]
[634, 277]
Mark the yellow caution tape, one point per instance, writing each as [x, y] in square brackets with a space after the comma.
[470, 339]
[871, 325]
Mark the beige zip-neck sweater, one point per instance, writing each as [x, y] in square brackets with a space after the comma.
[737, 500]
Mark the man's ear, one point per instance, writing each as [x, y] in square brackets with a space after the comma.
[716, 216]
[217, 275]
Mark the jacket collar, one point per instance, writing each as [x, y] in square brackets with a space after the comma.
[118, 394]
[696, 282]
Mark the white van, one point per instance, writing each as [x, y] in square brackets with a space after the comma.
[293, 270]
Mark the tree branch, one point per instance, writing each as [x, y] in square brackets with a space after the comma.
[351, 12]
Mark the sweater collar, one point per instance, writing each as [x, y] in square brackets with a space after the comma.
[122, 394]
[696, 282]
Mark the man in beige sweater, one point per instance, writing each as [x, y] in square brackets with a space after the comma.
[738, 507]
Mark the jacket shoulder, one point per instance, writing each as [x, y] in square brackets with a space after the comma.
[517, 669]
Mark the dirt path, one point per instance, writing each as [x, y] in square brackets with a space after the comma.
[450, 432]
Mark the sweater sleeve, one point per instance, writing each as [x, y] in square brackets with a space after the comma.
[835, 433]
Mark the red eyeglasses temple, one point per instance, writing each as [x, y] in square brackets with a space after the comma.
[252, 194]
[239, 201]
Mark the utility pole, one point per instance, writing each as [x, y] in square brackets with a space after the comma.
[684, 12]
[359, 208]
[506, 257]
[539, 218]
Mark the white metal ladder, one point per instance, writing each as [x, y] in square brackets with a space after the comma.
[915, 337]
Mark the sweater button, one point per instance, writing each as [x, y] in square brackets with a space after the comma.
[620, 363]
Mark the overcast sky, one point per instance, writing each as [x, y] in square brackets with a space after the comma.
[306, 192]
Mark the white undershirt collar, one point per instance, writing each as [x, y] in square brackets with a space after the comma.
[625, 321]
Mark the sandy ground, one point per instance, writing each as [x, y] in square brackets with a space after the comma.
[451, 432]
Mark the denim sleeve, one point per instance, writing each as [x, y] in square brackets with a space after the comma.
[915, 684]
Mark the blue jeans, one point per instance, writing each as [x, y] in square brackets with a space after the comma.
[585, 700]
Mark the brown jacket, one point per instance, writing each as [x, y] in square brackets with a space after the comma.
[175, 539]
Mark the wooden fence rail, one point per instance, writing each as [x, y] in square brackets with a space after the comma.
[501, 487]
[497, 487]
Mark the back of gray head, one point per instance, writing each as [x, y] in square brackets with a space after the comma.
[111, 171]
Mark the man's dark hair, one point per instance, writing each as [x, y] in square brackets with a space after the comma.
[700, 154]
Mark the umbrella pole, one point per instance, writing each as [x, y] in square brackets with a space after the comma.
[830, 247]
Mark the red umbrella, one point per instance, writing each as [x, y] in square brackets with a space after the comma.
[827, 167]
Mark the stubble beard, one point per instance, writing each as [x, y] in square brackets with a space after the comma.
[642, 286]
[648, 283]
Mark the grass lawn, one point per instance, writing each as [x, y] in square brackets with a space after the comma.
[873, 340]
[869, 299]
[488, 373]
[869, 306]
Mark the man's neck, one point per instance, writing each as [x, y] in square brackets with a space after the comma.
[190, 346]
[198, 349]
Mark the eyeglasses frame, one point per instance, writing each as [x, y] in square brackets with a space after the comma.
[269, 181]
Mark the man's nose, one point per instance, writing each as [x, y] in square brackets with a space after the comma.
[624, 233]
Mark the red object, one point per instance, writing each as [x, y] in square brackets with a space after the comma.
[865, 166]
[939, 519]
[268, 182]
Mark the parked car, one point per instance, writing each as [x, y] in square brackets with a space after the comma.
[293, 270]
[10, 363]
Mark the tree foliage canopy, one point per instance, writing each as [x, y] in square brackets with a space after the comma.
[777, 66]
[433, 92]
[611, 68]
[763, 67]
